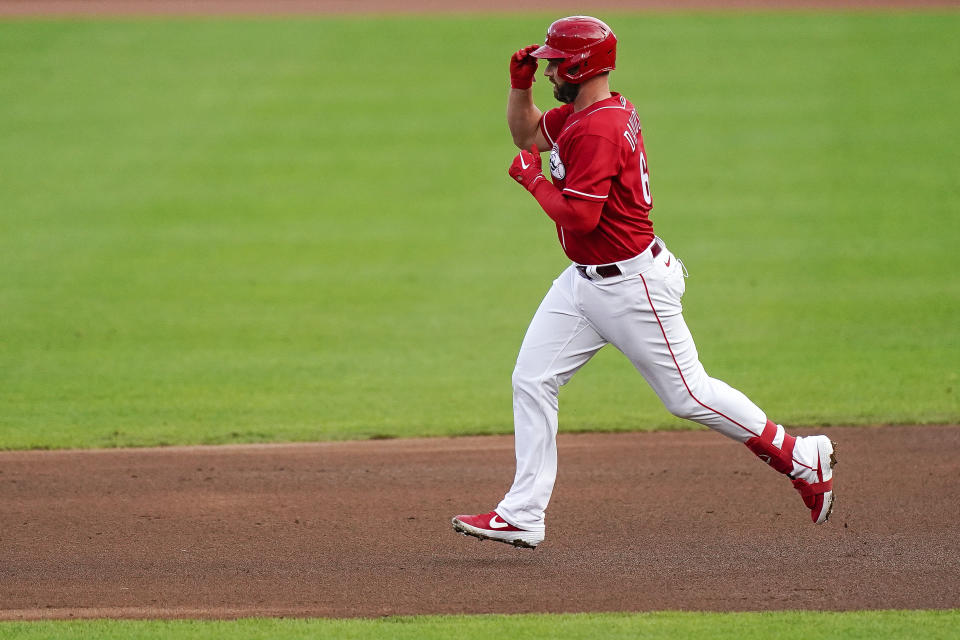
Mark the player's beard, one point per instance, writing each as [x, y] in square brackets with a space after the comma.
[565, 92]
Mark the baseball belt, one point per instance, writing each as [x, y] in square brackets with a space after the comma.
[612, 270]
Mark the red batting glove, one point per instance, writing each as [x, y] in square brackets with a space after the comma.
[523, 67]
[525, 168]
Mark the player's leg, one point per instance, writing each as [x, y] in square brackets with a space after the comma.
[558, 342]
[686, 389]
[642, 317]
[647, 325]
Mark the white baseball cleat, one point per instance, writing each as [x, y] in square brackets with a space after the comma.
[490, 526]
[815, 484]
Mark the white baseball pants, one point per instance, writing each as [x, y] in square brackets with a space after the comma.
[640, 314]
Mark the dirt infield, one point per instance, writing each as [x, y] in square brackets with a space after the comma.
[319, 7]
[683, 520]
[679, 521]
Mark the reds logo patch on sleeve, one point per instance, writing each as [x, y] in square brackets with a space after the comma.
[557, 170]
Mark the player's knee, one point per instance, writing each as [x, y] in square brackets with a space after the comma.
[528, 382]
[521, 380]
[682, 406]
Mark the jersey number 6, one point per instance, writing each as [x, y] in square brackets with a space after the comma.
[645, 178]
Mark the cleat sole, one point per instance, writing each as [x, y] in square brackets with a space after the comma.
[467, 531]
[833, 496]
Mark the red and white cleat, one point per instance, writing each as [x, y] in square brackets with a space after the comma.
[490, 526]
[816, 484]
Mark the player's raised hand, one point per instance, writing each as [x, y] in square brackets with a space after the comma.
[523, 68]
[525, 168]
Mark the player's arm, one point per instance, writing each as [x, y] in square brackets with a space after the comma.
[523, 116]
[575, 215]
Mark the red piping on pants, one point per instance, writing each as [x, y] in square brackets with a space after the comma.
[677, 365]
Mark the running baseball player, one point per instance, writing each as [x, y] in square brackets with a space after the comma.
[623, 287]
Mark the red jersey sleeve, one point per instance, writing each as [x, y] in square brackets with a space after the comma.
[551, 123]
[595, 161]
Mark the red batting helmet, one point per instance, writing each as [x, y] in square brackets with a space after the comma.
[586, 45]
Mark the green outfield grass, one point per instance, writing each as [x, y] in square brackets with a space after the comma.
[868, 625]
[223, 230]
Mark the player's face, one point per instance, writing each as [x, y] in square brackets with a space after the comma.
[563, 91]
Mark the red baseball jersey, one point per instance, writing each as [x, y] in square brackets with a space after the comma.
[597, 154]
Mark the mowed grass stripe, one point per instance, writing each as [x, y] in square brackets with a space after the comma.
[868, 625]
[236, 230]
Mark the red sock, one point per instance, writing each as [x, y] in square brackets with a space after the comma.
[762, 446]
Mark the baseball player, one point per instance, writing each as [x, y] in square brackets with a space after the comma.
[623, 287]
